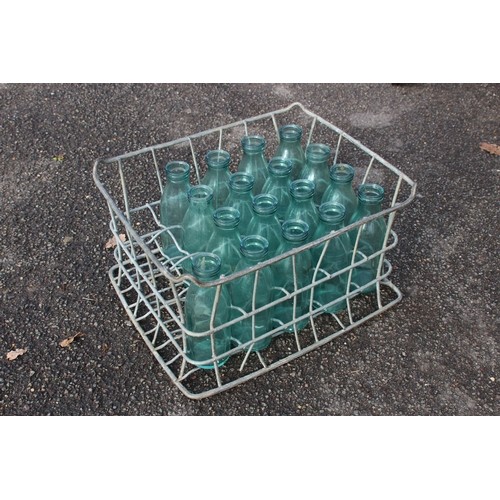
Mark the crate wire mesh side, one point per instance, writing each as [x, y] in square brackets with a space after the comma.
[152, 288]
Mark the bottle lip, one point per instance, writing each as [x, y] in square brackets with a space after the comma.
[254, 246]
[295, 230]
[290, 132]
[177, 170]
[226, 217]
[241, 182]
[206, 265]
[265, 204]
[302, 189]
[200, 193]
[218, 158]
[280, 167]
[370, 193]
[331, 212]
[342, 172]
[253, 143]
[317, 152]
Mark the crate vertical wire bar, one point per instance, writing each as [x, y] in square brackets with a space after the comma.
[157, 169]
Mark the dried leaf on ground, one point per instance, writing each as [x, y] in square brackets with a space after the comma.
[111, 243]
[490, 148]
[66, 342]
[11, 355]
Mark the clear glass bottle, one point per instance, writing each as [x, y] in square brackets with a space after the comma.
[316, 169]
[240, 197]
[372, 235]
[278, 184]
[302, 206]
[259, 284]
[197, 224]
[265, 221]
[253, 161]
[217, 174]
[336, 257]
[173, 206]
[198, 309]
[295, 233]
[290, 148]
[340, 189]
[225, 239]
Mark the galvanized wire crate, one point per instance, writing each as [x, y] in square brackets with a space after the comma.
[152, 288]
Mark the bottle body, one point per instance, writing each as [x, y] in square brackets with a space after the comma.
[250, 292]
[302, 205]
[253, 161]
[198, 311]
[217, 175]
[240, 197]
[173, 207]
[290, 148]
[278, 184]
[316, 169]
[340, 189]
[265, 222]
[371, 235]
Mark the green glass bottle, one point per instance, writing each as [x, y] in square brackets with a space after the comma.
[278, 184]
[252, 291]
[336, 258]
[372, 235]
[295, 233]
[290, 148]
[316, 169]
[265, 222]
[225, 239]
[302, 206]
[217, 175]
[198, 311]
[173, 206]
[197, 224]
[253, 161]
[340, 189]
[240, 197]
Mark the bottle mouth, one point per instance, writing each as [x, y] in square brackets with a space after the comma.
[265, 204]
[295, 230]
[280, 167]
[226, 217]
[200, 193]
[254, 246]
[302, 189]
[206, 265]
[253, 143]
[341, 172]
[331, 212]
[218, 158]
[177, 170]
[370, 193]
[241, 182]
[318, 152]
[290, 132]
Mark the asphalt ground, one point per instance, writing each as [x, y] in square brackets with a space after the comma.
[435, 353]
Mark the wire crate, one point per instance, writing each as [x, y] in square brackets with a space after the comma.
[152, 288]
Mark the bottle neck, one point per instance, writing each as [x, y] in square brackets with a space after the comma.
[206, 266]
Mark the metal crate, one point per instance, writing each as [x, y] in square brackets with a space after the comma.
[152, 288]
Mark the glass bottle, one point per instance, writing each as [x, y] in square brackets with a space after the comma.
[302, 205]
[197, 224]
[316, 169]
[340, 189]
[217, 174]
[173, 206]
[198, 310]
[278, 184]
[256, 285]
[336, 257]
[265, 222]
[290, 148]
[225, 239]
[372, 235]
[240, 197]
[295, 233]
[253, 161]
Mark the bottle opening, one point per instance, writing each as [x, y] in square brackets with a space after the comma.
[253, 143]
[318, 152]
[295, 230]
[302, 189]
[371, 193]
[254, 247]
[241, 182]
[206, 266]
[291, 132]
[265, 204]
[226, 217]
[200, 193]
[341, 172]
[280, 167]
[331, 212]
[177, 170]
[218, 158]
